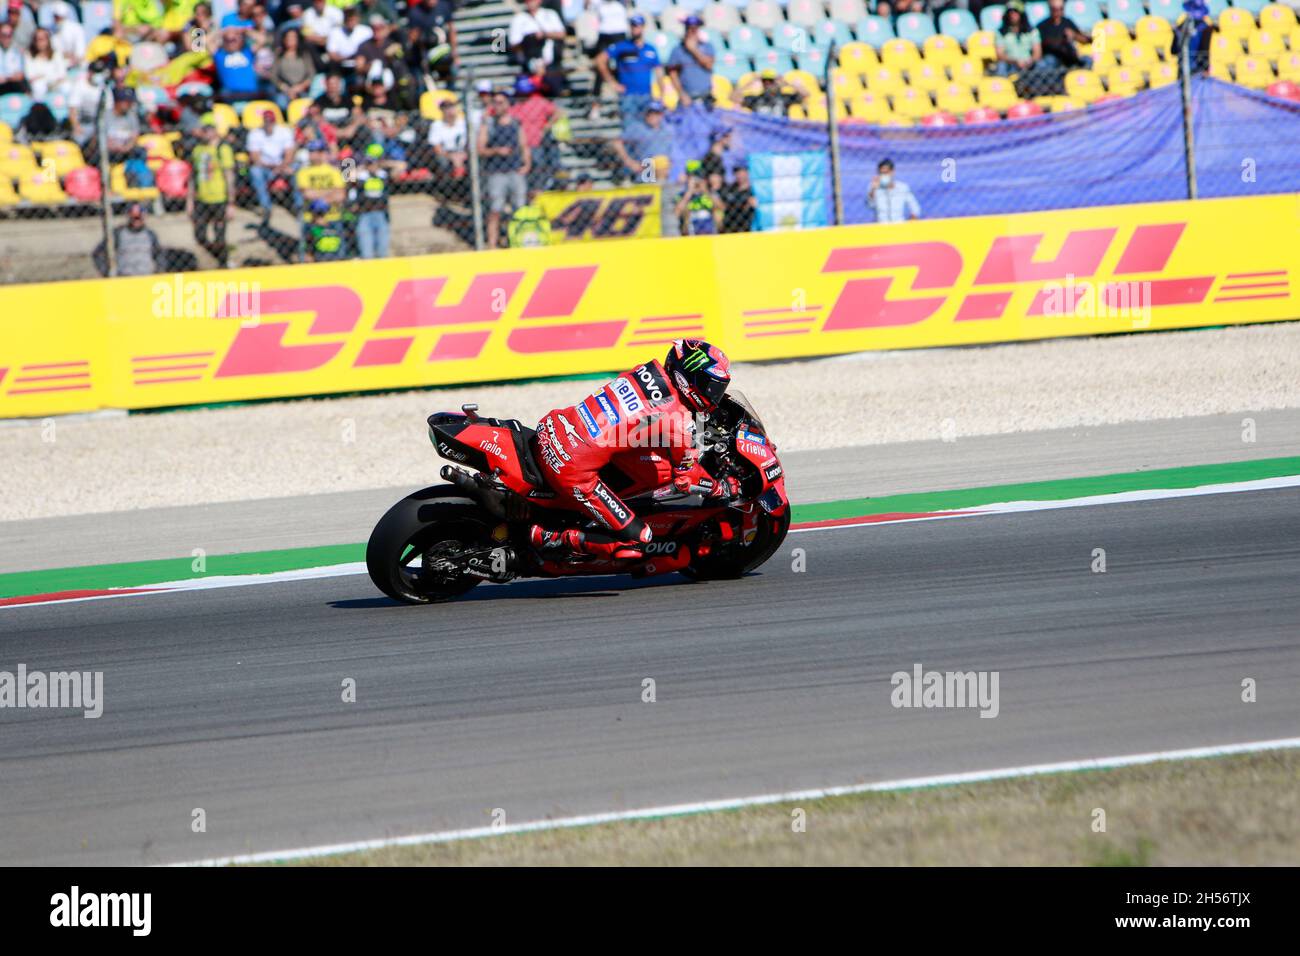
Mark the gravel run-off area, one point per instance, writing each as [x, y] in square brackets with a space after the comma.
[123, 462]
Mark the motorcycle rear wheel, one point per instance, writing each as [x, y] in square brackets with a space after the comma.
[437, 519]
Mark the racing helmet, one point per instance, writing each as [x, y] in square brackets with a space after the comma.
[700, 372]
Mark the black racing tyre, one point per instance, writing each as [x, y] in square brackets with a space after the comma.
[435, 519]
[737, 561]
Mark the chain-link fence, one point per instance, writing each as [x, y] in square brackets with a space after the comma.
[256, 134]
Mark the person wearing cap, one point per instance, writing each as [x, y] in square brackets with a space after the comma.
[632, 67]
[322, 233]
[321, 191]
[506, 160]
[536, 115]
[368, 200]
[690, 66]
[699, 209]
[448, 140]
[534, 32]
[68, 36]
[1192, 30]
[763, 94]
[122, 130]
[435, 20]
[1018, 43]
[383, 58]
[270, 154]
[211, 197]
[642, 141]
[137, 249]
[738, 202]
[890, 197]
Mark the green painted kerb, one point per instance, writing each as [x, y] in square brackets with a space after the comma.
[138, 573]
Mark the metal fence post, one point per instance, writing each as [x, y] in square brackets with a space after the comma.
[471, 146]
[105, 203]
[833, 131]
[1189, 139]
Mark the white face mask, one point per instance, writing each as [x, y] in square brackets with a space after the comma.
[886, 178]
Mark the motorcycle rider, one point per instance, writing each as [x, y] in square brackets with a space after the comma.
[643, 419]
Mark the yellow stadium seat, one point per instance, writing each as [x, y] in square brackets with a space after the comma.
[251, 115]
[7, 195]
[1110, 35]
[884, 79]
[927, 77]
[913, 103]
[813, 110]
[899, 53]
[1139, 55]
[858, 57]
[41, 187]
[1156, 31]
[997, 93]
[846, 84]
[1288, 66]
[1162, 74]
[59, 156]
[225, 116]
[1063, 104]
[1104, 60]
[1083, 85]
[722, 88]
[1254, 72]
[1234, 21]
[942, 50]
[1265, 43]
[1124, 80]
[1277, 17]
[983, 45]
[431, 102]
[811, 84]
[17, 161]
[6, 134]
[872, 107]
[894, 119]
[968, 71]
[158, 148]
[298, 109]
[117, 184]
[956, 98]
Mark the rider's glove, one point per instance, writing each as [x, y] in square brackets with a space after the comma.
[725, 488]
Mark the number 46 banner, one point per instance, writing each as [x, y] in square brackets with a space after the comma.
[602, 213]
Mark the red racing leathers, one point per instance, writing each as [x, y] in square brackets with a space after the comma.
[637, 430]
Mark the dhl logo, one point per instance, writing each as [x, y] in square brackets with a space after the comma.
[865, 303]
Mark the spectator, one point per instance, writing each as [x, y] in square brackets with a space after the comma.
[1018, 44]
[383, 132]
[241, 18]
[23, 21]
[369, 198]
[712, 165]
[529, 226]
[436, 46]
[212, 190]
[346, 39]
[122, 130]
[46, 71]
[612, 26]
[312, 126]
[891, 198]
[320, 178]
[768, 99]
[83, 106]
[690, 66]
[738, 202]
[631, 67]
[506, 160]
[449, 144]
[237, 80]
[323, 233]
[699, 209]
[39, 125]
[479, 108]
[642, 141]
[12, 64]
[294, 69]
[338, 109]
[536, 115]
[136, 246]
[69, 36]
[318, 21]
[1193, 32]
[270, 155]
[383, 58]
[1058, 35]
[534, 32]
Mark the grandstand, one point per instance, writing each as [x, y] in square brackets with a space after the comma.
[859, 68]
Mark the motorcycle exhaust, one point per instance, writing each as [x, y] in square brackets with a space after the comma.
[489, 499]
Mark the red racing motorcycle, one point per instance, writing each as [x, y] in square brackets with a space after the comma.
[438, 543]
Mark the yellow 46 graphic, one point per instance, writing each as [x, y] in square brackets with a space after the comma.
[602, 214]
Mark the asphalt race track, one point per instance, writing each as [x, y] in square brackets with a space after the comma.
[527, 697]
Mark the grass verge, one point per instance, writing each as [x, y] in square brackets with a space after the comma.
[1238, 810]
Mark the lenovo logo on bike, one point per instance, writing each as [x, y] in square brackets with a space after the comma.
[653, 384]
[610, 502]
[76, 909]
[661, 547]
[773, 473]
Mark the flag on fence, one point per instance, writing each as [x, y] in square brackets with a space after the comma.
[790, 189]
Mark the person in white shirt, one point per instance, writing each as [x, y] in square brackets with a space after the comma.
[345, 40]
[46, 71]
[533, 33]
[448, 138]
[69, 37]
[270, 147]
[891, 198]
[12, 77]
[318, 21]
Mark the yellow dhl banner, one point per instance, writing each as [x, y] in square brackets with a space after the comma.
[633, 212]
[584, 307]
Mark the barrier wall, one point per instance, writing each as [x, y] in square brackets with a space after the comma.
[582, 307]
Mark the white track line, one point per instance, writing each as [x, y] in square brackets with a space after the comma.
[974, 511]
[735, 803]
